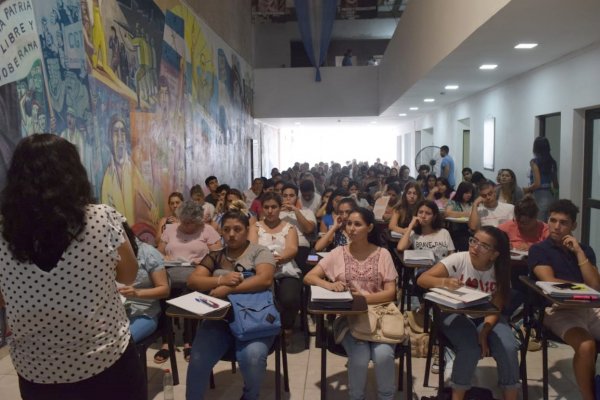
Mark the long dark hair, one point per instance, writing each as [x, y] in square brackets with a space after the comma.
[464, 188]
[541, 150]
[502, 263]
[436, 222]
[43, 203]
[369, 218]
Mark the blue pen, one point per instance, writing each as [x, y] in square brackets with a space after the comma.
[207, 302]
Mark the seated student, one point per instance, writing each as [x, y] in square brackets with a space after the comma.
[329, 218]
[150, 285]
[212, 183]
[365, 269]
[441, 193]
[487, 211]
[467, 174]
[216, 275]
[175, 200]
[234, 199]
[486, 266]
[508, 191]
[197, 194]
[304, 221]
[561, 258]
[393, 191]
[256, 206]
[354, 189]
[308, 197]
[337, 235]
[430, 184]
[460, 207]
[525, 230]
[282, 239]
[324, 203]
[254, 191]
[405, 208]
[425, 232]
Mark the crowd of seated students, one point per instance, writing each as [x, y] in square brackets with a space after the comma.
[285, 211]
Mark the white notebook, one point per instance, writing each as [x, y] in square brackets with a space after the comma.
[317, 293]
[199, 303]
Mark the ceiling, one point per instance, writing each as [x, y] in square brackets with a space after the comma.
[559, 27]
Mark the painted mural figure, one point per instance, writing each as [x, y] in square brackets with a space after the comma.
[77, 96]
[123, 186]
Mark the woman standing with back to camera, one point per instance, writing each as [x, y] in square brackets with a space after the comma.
[543, 176]
[59, 258]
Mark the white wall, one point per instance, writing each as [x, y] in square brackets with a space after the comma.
[294, 93]
[567, 85]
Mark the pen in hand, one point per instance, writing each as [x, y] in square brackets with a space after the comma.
[209, 303]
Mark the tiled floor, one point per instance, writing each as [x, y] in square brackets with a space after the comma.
[304, 369]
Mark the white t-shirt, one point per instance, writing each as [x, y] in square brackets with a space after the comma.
[68, 324]
[312, 205]
[290, 216]
[495, 216]
[459, 266]
[439, 242]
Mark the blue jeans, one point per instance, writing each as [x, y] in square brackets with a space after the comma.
[463, 334]
[359, 354]
[141, 327]
[543, 198]
[214, 340]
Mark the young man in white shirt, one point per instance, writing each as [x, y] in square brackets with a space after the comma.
[487, 211]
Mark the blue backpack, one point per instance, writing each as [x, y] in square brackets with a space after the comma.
[254, 315]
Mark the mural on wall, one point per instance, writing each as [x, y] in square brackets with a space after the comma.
[9, 126]
[154, 100]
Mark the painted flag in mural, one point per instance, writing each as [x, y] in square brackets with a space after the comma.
[19, 42]
[174, 47]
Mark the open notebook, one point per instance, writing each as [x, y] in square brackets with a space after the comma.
[462, 297]
[199, 303]
[577, 291]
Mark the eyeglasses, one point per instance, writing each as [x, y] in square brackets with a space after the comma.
[473, 241]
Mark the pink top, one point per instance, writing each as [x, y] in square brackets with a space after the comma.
[186, 247]
[368, 276]
[517, 240]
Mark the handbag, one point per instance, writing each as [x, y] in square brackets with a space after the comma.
[382, 323]
[254, 315]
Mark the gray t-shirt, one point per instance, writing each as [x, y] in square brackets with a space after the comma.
[149, 260]
[218, 264]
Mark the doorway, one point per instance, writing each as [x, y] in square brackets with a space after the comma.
[591, 180]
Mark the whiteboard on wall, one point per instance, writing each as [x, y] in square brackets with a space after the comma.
[489, 133]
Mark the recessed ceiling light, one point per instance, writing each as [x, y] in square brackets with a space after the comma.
[402, 115]
[488, 66]
[413, 108]
[526, 45]
[428, 100]
[451, 87]
[296, 123]
[373, 122]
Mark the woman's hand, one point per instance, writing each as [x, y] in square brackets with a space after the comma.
[337, 286]
[451, 283]
[128, 291]
[221, 292]
[232, 279]
[414, 222]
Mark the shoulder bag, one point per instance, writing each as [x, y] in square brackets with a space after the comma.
[383, 323]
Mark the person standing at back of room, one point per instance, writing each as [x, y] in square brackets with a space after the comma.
[543, 176]
[447, 166]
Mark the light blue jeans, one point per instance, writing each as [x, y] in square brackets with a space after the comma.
[359, 354]
[213, 340]
[141, 327]
[463, 334]
[543, 198]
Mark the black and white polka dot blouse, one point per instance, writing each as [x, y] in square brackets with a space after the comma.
[68, 324]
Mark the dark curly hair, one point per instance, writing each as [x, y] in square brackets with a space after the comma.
[43, 202]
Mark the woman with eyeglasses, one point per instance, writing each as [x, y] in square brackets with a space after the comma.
[486, 266]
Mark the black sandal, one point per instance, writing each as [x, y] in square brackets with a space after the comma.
[186, 353]
[161, 356]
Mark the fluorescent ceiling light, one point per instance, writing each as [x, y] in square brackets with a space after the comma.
[296, 123]
[428, 100]
[373, 122]
[451, 87]
[413, 108]
[526, 45]
[488, 66]
[402, 115]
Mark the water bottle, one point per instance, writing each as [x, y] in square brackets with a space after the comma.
[168, 385]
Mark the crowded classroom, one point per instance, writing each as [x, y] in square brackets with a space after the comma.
[300, 199]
